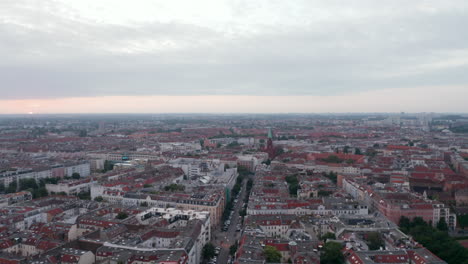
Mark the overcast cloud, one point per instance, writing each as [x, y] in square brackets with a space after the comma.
[88, 48]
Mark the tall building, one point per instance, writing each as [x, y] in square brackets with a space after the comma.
[269, 147]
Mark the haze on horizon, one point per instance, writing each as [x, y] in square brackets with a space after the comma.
[238, 56]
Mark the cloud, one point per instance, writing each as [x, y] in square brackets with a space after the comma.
[61, 49]
[420, 99]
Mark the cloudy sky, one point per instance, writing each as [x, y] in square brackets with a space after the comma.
[62, 56]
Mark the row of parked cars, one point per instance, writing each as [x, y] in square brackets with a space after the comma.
[228, 221]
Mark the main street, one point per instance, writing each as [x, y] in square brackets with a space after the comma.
[228, 238]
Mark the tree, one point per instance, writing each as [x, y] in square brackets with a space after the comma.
[324, 193]
[293, 184]
[243, 212]
[331, 253]
[404, 223]
[11, 187]
[346, 149]
[357, 151]
[272, 254]
[98, 199]
[40, 192]
[442, 225]
[375, 240]
[208, 251]
[76, 176]
[108, 166]
[121, 215]
[144, 204]
[173, 187]
[25, 184]
[436, 241]
[332, 176]
[84, 195]
[233, 248]
[333, 159]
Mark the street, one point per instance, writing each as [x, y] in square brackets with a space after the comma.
[226, 239]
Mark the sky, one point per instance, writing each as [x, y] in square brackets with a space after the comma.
[237, 56]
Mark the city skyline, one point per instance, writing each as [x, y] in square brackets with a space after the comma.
[232, 57]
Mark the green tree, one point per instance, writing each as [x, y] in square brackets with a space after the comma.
[331, 253]
[98, 199]
[332, 176]
[293, 184]
[357, 151]
[332, 159]
[436, 241]
[108, 166]
[346, 149]
[272, 254]
[84, 195]
[40, 192]
[76, 176]
[174, 188]
[442, 225]
[121, 215]
[243, 212]
[323, 193]
[233, 248]
[374, 240]
[27, 184]
[208, 251]
[404, 223]
[11, 187]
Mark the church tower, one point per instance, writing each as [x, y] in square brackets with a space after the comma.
[269, 148]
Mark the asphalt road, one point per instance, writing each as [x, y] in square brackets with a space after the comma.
[226, 239]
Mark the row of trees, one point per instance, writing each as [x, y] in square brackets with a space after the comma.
[36, 188]
[243, 172]
[357, 151]
[174, 188]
